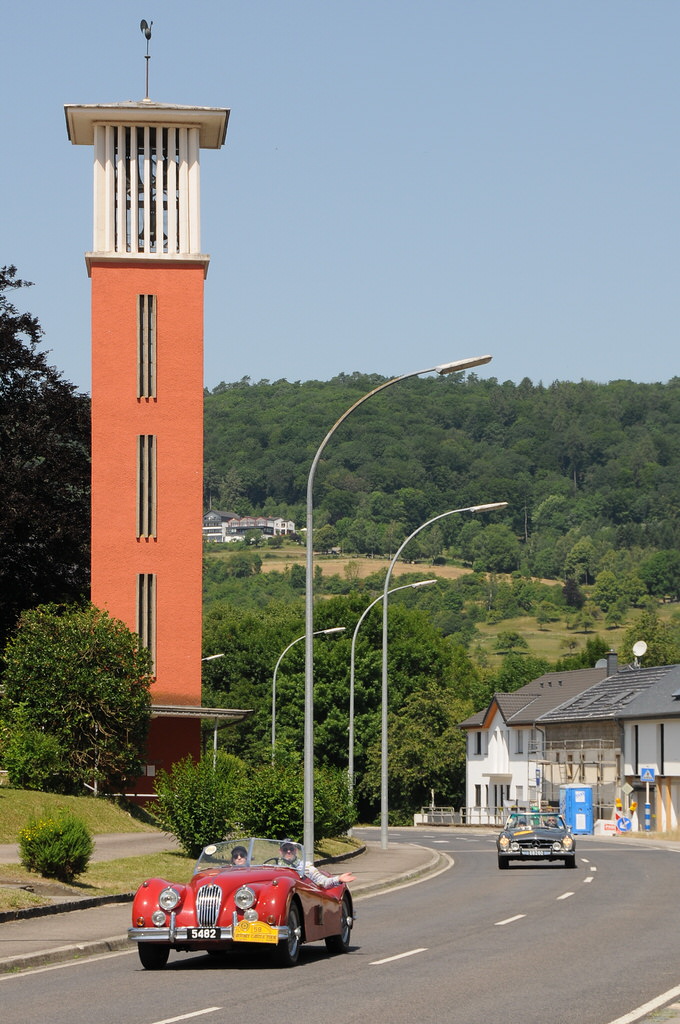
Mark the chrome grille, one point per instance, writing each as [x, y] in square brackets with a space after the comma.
[208, 901]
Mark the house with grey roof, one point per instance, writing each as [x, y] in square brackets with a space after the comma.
[506, 754]
[635, 714]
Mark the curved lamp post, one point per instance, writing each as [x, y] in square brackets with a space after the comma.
[383, 724]
[405, 586]
[319, 632]
[442, 369]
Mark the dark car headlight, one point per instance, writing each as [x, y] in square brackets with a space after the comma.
[245, 898]
[503, 842]
[168, 899]
[568, 842]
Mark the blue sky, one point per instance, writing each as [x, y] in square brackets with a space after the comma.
[403, 183]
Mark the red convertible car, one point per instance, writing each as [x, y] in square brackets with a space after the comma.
[256, 891]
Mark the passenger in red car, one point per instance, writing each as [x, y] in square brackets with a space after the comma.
[289, 858]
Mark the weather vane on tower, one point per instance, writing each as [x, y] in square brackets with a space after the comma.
[146, 30]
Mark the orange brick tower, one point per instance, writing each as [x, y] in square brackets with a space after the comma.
[147, 272]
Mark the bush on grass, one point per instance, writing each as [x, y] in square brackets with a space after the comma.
[56, 847]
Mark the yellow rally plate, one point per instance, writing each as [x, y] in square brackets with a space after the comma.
[254, 931]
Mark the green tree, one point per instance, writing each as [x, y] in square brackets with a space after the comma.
[79, 675]
[661, 574]
[510, 640]
[199, 803]
[662, 639]
[426, 752]
[45, 478]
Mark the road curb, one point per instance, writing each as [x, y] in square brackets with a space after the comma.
[62, 953]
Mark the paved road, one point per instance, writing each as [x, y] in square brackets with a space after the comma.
[469, 945]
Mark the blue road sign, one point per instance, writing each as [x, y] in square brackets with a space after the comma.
[647, 774]
[624, 824]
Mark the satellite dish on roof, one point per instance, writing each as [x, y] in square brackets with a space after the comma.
[639, 648]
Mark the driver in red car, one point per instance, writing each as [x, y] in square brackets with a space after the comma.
[289, 858]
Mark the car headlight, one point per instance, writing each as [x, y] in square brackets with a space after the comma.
[514, 846]
[168, 899]
[567, 842]
[557, 847]
[503, 842]
[244, 898]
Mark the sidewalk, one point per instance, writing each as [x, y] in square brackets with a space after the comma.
[69, 932]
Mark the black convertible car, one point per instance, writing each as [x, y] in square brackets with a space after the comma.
[536, 836]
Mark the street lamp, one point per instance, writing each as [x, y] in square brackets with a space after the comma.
[319, 632]
[383, 726]
[442, 369]
[404, 586]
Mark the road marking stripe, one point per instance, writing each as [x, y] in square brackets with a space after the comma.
[509, 920]
[565, 896]
[389, 959]
[588, 878]
[646, 1008]
[593, 868]
[187, 1016]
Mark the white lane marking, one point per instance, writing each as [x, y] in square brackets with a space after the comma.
[646, 1008]
[593, 868]
[387, 960]
[565, 896]
[187, 1016]
[587, 879]
[585, 860]
[440, 840]
[509, 920]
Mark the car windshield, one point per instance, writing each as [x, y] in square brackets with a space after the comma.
[535, 819]
[248, 853]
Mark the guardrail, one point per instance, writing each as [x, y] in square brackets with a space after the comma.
[463, 816]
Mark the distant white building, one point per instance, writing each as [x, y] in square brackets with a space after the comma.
[223, 527]
[506, 744]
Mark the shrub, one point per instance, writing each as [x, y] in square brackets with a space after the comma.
[36, 760]
[197, 802]
[56, 847]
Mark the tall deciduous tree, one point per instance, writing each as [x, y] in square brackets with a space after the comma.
[80, 676]
[44, 480]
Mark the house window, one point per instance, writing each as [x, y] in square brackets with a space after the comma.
[662, 752]
[146, 485]
[146, 611]
[636, 750]
[478, 743]
[146, 346]
[478, 796]
[519, 741]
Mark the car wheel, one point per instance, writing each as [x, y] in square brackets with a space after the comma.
[288, 951]
[340, 943]
[570, 862]
[153, 956]
[503, 863]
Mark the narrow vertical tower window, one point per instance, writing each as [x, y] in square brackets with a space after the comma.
[146, 346]
[146, 485]
[146, 611]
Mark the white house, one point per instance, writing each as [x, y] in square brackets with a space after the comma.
[222, 527]
[505, 747]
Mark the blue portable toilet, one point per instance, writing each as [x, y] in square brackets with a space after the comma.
[576, 806]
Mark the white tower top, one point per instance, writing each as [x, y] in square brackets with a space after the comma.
[146, 175]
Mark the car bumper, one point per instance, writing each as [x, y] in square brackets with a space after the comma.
[536, 855]
[179, 936]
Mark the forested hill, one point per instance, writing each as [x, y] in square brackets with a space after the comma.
[590, 471]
